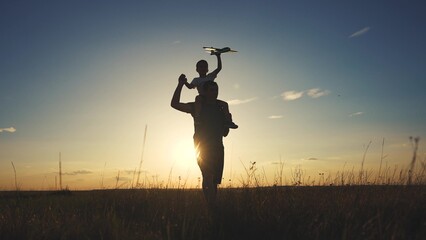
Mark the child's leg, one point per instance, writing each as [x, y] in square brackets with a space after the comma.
[225, 109]
[228, 115]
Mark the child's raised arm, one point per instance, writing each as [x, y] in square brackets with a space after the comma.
[219, 65]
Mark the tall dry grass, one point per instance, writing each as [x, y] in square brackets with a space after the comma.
[298, 212]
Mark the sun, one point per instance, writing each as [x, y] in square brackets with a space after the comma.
[184, 154]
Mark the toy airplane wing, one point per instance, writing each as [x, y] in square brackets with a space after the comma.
[213, 50]
[210, 49]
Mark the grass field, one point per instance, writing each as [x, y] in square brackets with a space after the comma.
[321, 212]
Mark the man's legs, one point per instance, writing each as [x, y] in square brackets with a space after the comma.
[211, 164]
[209, 190]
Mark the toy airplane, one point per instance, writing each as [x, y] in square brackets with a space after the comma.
[213, 50]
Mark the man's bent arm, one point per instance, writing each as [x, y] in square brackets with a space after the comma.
[176, 104]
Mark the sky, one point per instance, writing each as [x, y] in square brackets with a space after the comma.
[315, 87]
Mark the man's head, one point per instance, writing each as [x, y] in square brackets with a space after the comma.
[211, 90]
[202, 67]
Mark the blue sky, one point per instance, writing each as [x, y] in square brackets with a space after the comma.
[311, 80]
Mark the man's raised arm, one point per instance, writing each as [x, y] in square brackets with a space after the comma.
[176, 104]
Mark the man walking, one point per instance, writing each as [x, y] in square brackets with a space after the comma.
[208, 135]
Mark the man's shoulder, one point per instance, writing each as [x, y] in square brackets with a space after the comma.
[220, 102]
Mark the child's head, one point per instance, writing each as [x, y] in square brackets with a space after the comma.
[202, 67]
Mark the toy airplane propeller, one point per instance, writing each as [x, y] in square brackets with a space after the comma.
[213, 50]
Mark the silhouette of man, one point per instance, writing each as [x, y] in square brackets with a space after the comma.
[207, 137]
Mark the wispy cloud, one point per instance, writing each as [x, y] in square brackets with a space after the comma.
[312, 159]
[316, 93]
[275, 117]
[9, 129]
[291, 95]
[360, 32]
[176, 42]
[238, 101]
[356, 114]
[313, 93]
[79, 172]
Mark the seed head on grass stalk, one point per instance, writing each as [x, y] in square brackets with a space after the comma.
[251, 174]
[415, 145]
[117, 178]
[16, 182]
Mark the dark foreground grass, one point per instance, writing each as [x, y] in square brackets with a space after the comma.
[353, 212]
